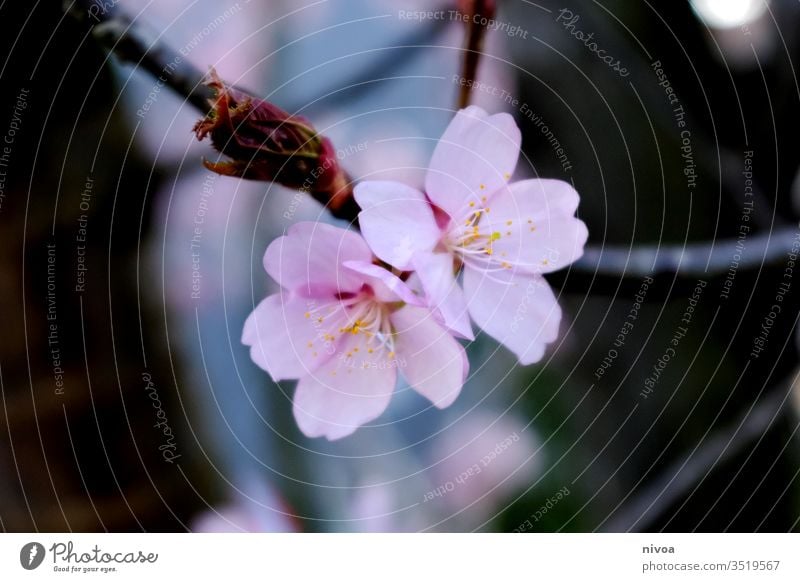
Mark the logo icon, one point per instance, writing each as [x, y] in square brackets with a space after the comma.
[31, 555]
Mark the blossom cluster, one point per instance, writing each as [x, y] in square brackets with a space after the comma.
[357, 310]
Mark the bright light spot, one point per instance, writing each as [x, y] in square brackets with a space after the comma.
[728, 13]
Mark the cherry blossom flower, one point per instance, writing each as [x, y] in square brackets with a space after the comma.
[503, 236]
[344, 326]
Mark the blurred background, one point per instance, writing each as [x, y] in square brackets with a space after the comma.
[127, 269]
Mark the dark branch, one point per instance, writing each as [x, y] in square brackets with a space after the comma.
[126, 40]
[477, 11]
[691, 260]
[651, 504]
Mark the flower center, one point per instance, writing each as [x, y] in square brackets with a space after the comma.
[473, 243]
[361, 317]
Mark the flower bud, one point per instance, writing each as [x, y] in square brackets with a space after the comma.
[264, 142]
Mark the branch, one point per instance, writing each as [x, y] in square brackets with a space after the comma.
[476, 13]
[126, 39]
[690, 260]
[643, 511]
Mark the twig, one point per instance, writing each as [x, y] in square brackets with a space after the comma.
[676, 481]
[690, 260]
[126, 39]
[478, 12]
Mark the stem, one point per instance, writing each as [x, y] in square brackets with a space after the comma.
[691, 260]
[126, 39]
[476, 32]
[674, 483]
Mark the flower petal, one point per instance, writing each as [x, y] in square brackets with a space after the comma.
[445, 297]
[474, 159]
[434, 363]
[535, 222]
[387, 286]
[345, 392]
[308, 260]
[284, 338]
[396, 220]
[519, 311]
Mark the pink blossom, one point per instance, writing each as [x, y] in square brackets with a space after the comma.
[343, 327]
[504, 235]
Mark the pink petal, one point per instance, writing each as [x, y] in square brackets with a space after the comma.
[433, 362]
[396, 220]
[435, 272]
[474, 159]
[346, 392]
[285, 339]
[519, 311]
[308, 260]
[387, 286]
[536, 225]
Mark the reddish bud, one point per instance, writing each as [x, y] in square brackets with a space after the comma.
[264, 142]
